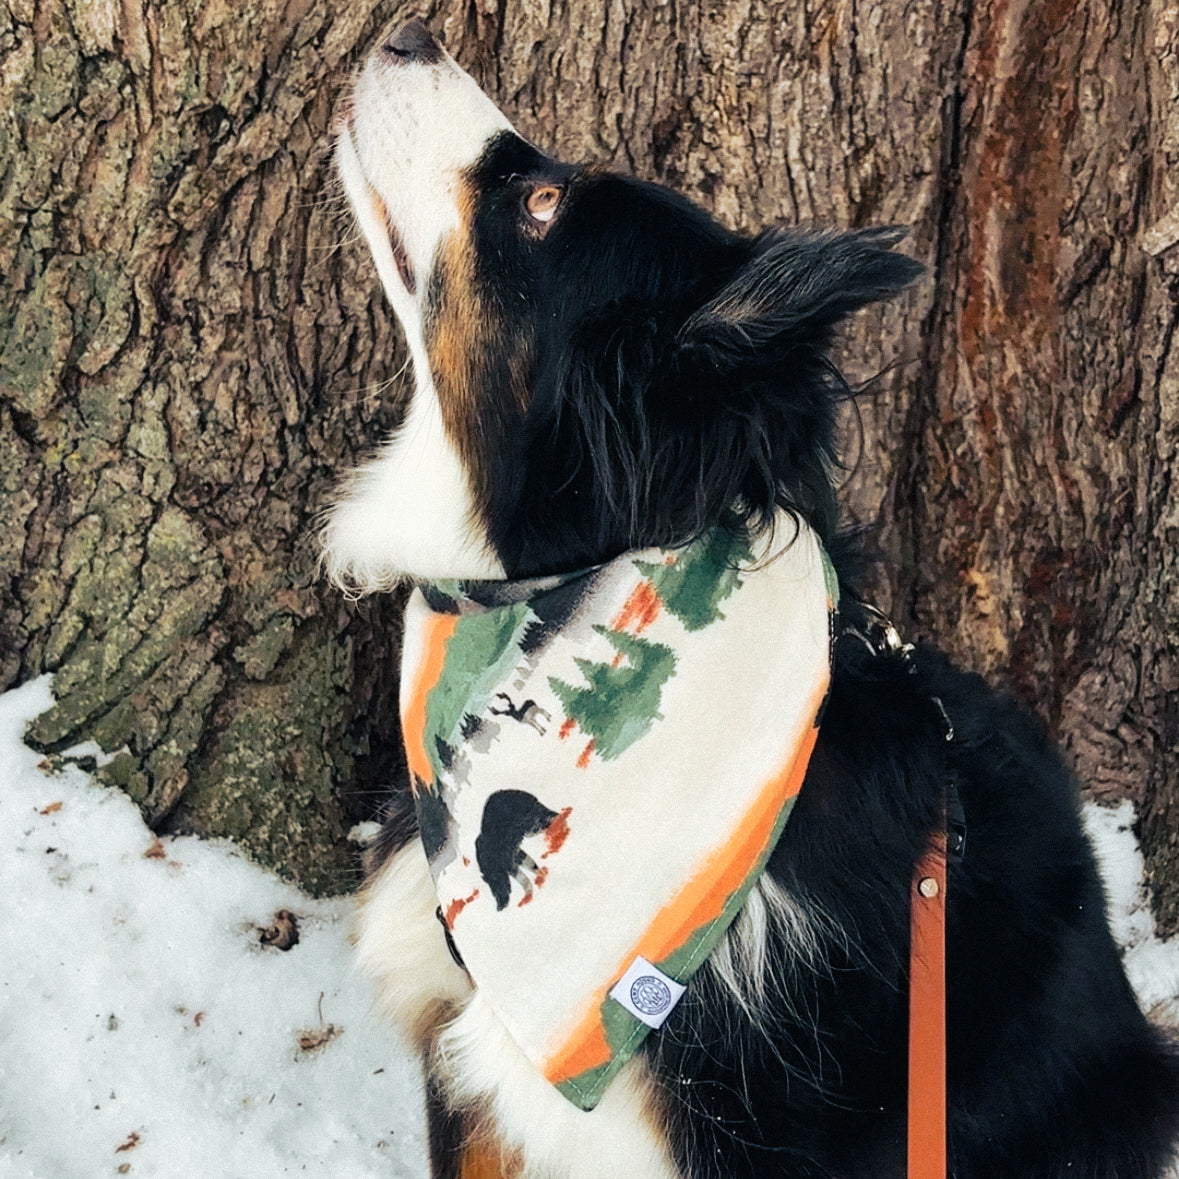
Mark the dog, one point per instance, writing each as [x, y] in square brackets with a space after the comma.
[602, 369]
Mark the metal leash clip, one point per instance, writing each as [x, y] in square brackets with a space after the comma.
[880, 636]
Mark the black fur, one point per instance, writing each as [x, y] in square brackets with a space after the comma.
[679, 370]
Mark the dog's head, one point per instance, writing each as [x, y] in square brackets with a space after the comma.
[599, 364]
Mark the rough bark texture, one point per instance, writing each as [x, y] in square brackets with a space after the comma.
[191, 347]
[187, 358]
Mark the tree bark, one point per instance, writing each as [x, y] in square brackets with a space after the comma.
[192, 348]
[188, 355]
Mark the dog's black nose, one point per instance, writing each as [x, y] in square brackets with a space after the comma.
[413, 42]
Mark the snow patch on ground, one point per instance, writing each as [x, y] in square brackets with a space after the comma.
[146, 1031]
[1152, 965]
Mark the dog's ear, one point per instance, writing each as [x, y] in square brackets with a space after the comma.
[792, 293]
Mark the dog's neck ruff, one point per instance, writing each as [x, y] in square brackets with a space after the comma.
[602, 763]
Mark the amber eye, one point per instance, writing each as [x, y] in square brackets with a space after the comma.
[542, 202]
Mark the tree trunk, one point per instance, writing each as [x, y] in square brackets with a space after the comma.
[192, 347]
[187, 358]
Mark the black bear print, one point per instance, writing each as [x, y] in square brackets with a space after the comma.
[509, 817]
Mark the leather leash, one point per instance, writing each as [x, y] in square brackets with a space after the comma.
[927, 1015]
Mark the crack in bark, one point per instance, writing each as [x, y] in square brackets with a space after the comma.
[912, 486]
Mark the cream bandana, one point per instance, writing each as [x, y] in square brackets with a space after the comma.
[602, 763]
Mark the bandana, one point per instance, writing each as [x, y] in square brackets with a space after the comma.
[601, 763]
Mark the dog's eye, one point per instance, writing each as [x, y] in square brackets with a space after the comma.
[542, 202]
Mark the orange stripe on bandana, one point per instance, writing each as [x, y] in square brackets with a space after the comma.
[701, 901]
[585, 1049]
[704, 897]
[438, 630]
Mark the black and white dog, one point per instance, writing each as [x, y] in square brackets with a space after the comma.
[601, 367]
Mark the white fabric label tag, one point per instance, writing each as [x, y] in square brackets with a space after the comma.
[647, 993]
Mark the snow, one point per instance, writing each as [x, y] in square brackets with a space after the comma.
[146, 1031]
[1151, 965]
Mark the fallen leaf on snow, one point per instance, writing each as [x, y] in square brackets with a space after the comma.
[283, 931]
[315, 1038]
[51, 809]
[131, 1143]
[157, 851]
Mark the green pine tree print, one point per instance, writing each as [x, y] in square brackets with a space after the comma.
[702, 576]
[621, 701]
[481, 654]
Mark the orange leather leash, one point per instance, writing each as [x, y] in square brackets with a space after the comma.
[928, 1098]
[927, 1015]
